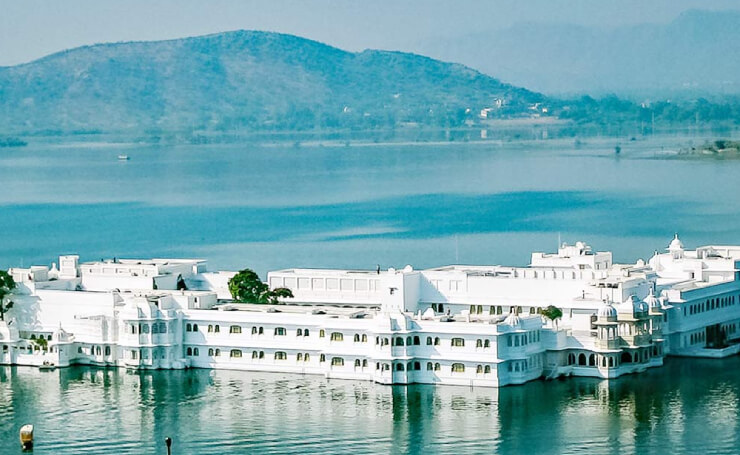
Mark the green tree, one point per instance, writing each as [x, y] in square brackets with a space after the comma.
[7, 285]
[552, 313]
[246, 287]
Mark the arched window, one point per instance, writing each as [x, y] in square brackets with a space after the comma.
[437, 366]
[336, 336]
[417, 341]
[479, 369]
[299, 333]
[486, 343]
[409, 341]
[218, 352]
[436, 341]
[429, 341]
[337, 362]
[399, 341]
[163, 327]
[322, 358]
[357, 338]
[591, 360]
[305, 332]
[430, 367]
[626, 358]
[237, 329]
[322, 333]
[189, 351]
[107, 350]
[255, 354]
[478, 343]
[217, 329]
[458, 368]
[357, 363]
[364, 363]
[487, 369]
[98, 351]
[306, 357]
[196, 352]
[261, 331]
[582, 359]
[417, 366]
[364, 338]
[399, 367]
[155, 328]
[280, 355]
[210, 352]
[33, 335]
[385, 341]
[262, 354]
[210, 328]
[457, 342]
[235, 353]
[280, 331]
[611, 361]
[195, 328]
[299, 357]
[410, 366]
[254, 330]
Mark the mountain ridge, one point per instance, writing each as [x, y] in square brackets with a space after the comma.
[237, 79]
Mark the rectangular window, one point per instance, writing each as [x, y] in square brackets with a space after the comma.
[318, 283]
[280, 331]
[235, 329]
[458, 342]
[361, 285]
[337, 361]
[235, 353]
[304, 283]
[345, 284]
[332, 284]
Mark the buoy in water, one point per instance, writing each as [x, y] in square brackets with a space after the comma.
[27, 437]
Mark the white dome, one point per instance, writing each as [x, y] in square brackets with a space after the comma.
[61, 335]
[675, 244]
[651, 301]
[607, 311]
[633, 305]
[512, 319]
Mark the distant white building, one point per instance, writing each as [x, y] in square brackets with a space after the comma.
[466, 325]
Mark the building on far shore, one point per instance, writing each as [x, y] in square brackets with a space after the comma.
[458, 324]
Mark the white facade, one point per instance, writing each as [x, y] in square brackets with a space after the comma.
[466, 325]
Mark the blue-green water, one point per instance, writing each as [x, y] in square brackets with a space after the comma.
[428, 205]
[687, 407]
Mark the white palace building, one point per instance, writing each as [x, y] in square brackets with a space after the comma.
[464, 325]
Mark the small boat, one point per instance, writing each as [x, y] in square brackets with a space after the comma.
[27, 437]
[47, 366]
[123, 158]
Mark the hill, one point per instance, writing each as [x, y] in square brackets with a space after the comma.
[696, 54]
[242, 80]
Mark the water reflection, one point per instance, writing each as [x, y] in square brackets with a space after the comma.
[686, 407]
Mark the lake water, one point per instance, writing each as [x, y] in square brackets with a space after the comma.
[270, 207]
[686, 407]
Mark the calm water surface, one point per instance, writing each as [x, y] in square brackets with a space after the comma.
[428, 205]
[689, 406]
[425, 205]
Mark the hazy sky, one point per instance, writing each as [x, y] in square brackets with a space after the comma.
[33, 28]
